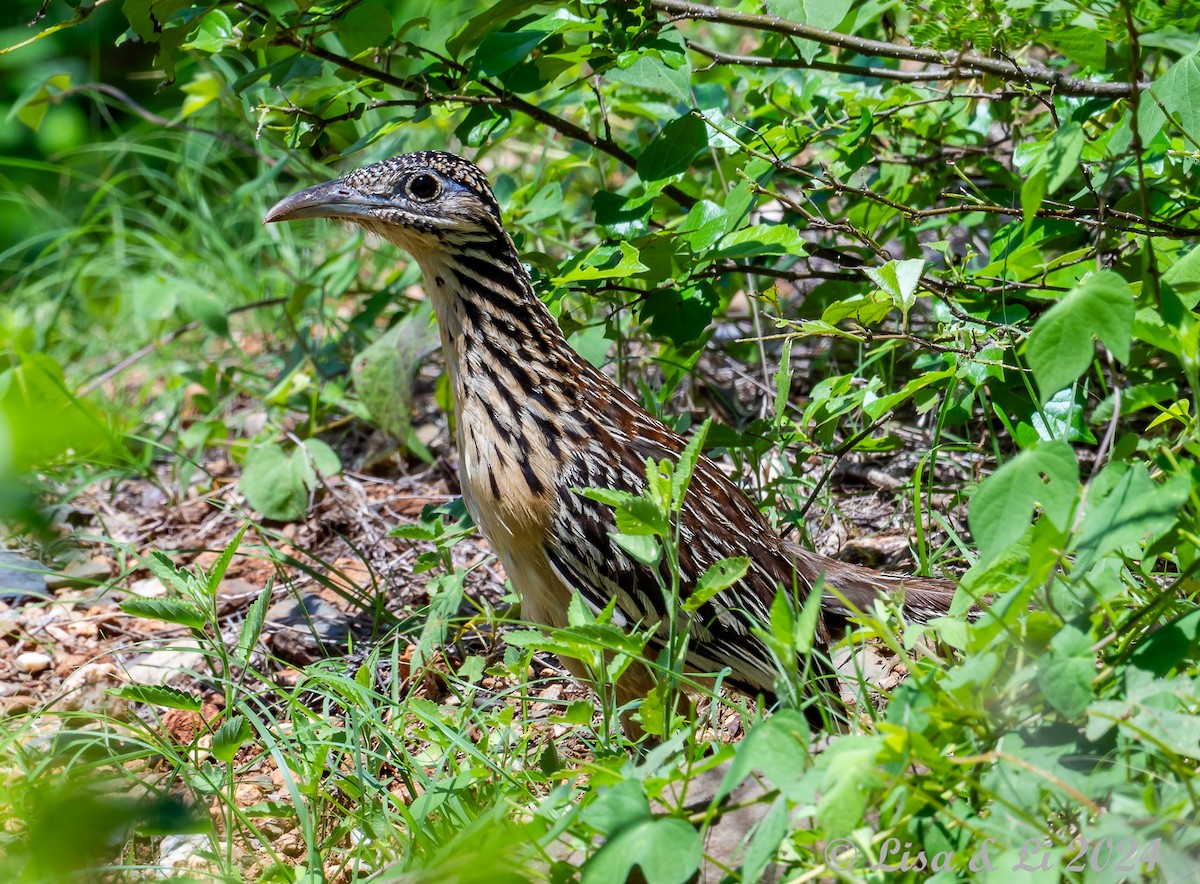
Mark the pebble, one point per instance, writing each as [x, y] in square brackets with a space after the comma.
[34, 661]
[184, 852]
[21, 578]
[86, 573]
[248, 794]
[87, 689]
[148, 588]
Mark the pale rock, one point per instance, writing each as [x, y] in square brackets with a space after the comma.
[148, 588]
[34, 662]
[87, 573]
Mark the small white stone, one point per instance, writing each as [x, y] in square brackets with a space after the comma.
[34, 661]
[148, 588]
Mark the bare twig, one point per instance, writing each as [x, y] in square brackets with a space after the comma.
[126, 101]
[953, 63]
[136, 356]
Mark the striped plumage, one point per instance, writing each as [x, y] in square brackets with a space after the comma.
[535, 421]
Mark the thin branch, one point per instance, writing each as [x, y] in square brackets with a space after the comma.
[167, 337]
[762, 61]
[127, 102]
[136, 356]
[1086, 215]
[1006, 70]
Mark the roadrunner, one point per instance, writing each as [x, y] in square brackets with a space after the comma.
[534, 422]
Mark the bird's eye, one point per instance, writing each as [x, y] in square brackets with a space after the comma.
[423, 187]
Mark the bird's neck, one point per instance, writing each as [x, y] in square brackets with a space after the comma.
[518, 387]
[500, 341]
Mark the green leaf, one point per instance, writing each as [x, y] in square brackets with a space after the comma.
[579, 641]
[1171, 93]
[681, 475]
[876, 407]
[323, 458]
[673, 149]
[851, 774]
[502, 50]
[256, 616]
[44, 418]
[1083, 46]
[1124, 506]
[824, 14]
[383, 372]
[616, 807]
[278, 484]
[637, 515]
[804, 635]
[898, 280]
[481, 123]
[1178, 731]
[866, 309]
[1002, 508]
[1184, 274]
[1059, 348]
[1065, 674]
[367, 25]
[230, 736]
[169, 574]
[590, 343]
[652, 75]
[680, 315]
[783, 620]
[214, 33]
[761, 239]
[171, 610]
[152, 296]
[719, 576]
[1062, 156]
[202, 90]
[1177, 90]
[1169, 646]
[603, 262]
[221, 565]
[622, 216]
[1060, 419]
[777, 747]
[30, 108]
[703, 225]
[609, 496]
[667, 850]
[764, 844]
[478, 26]
[159, 695]
[1033, 191]
[642, 547]
[548, 762]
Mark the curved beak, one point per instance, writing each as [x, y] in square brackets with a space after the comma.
[333, 199]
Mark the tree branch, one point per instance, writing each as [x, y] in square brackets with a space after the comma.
[763, 61]
[1028, 73]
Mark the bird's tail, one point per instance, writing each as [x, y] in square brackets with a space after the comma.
[852, 588]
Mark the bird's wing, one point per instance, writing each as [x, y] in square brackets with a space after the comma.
[716, 521]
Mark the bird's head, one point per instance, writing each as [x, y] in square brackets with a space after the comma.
[420, 201]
